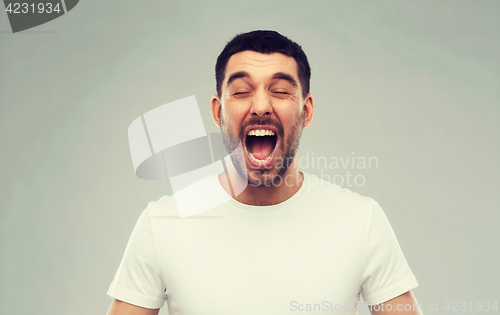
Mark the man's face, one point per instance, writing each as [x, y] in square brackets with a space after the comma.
[262, 104]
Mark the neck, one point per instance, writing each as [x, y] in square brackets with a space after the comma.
[264, 195]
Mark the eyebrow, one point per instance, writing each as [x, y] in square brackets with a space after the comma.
[237, 75]
[287, 77]
[276, 76]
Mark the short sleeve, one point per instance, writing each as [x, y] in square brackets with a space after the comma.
[138, 280]
[385, 274]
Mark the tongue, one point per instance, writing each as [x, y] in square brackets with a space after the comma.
[262, 147]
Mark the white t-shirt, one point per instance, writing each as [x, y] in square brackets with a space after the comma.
[320, 250]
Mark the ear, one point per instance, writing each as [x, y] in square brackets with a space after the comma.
[308, 110]
[215, 108]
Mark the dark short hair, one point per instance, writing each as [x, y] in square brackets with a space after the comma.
[265, 42]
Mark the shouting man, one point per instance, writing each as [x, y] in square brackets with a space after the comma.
[288, 241]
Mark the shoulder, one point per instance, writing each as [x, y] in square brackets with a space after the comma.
[338, 199]
[188, 199]
[164, 206]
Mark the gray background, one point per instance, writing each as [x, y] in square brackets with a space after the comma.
[415, 84]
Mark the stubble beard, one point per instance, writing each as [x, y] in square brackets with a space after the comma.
[282, 164]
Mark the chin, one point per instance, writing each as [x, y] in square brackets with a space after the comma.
[262, 179]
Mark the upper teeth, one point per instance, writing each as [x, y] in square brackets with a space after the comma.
[262, 132]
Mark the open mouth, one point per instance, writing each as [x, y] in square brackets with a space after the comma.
[260, 145]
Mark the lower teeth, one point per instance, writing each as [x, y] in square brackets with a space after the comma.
[268, 158]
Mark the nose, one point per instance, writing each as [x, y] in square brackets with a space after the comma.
[261, 105]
